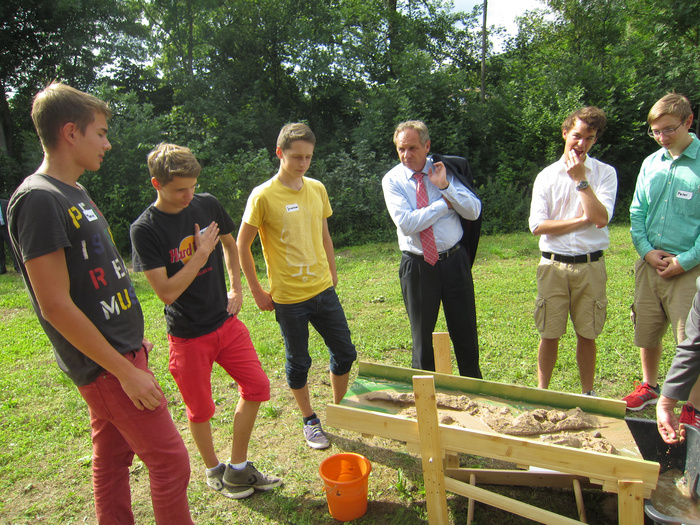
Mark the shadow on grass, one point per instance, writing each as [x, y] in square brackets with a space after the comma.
[280, 508]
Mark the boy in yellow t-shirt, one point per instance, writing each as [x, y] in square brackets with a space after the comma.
[290, 212]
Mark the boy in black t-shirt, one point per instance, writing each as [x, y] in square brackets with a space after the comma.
[185, 266]
[82, 294]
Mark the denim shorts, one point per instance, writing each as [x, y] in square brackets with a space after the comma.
[326, 315]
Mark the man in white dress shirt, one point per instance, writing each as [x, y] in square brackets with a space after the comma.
[572, 204]
[438, 238]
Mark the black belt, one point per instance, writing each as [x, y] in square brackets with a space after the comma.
[573, 259]
[441, 255]
[447, 253]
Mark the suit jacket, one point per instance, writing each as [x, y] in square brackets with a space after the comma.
[459, 167]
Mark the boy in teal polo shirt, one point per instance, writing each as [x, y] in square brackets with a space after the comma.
[665, 228]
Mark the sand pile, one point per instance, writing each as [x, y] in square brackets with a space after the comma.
[556, 425]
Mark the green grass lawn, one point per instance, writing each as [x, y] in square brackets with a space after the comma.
[45, 438]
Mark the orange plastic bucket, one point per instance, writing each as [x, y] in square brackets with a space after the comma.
[345, 478]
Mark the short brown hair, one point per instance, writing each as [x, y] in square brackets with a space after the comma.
[417, 125]
[592, 116]
[670, 104]
[294, 131]
[170, 160]
[57, 105]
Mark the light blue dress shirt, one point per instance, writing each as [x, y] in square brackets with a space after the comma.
[400, 196]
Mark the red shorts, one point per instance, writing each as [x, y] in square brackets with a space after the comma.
[191, 362]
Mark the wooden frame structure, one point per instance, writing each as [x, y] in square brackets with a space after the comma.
[631, 478]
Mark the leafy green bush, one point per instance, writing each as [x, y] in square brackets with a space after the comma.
[232, 180]
[506, 208]
[354, 185]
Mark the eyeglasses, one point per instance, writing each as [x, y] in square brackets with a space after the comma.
[654, 133]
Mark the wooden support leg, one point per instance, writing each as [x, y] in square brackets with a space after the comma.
[630, 502]
[443, 365]
[451, 460]
[470, 507]
[442, 352]
[579, 502]
[431, 451]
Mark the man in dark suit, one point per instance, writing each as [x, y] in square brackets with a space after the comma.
[5, 234]
[429, 199]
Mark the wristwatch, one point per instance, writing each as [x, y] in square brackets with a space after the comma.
[582, 185]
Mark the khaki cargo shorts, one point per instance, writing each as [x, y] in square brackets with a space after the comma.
[576, 288]
[660, 302]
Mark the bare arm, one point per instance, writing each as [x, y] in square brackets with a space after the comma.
[558, 227]
[593, 209]
[233, 267]
[330, 252]
[51, 283]
[246, 236]
[168, 289]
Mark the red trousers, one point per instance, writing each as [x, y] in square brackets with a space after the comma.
[120, 430]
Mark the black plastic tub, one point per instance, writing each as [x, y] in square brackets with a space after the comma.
[684, 457]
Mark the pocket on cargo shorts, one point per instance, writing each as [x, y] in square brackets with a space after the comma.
[600, 315]
[540, 314]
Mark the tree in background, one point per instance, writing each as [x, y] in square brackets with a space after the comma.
[46, 39]
[222, 76]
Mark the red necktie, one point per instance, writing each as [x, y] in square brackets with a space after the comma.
[427, 239]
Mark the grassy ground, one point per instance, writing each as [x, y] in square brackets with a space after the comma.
[45, 439]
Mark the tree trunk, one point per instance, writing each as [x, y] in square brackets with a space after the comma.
[484, 46]
[6, 145]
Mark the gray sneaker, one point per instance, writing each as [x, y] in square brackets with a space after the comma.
[249, 478]
[313, 433]
[215, 480]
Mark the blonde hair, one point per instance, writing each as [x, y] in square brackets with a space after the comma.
[671, 104]
[417, 125]
[294, 131]
[57, 105]
[170, 160]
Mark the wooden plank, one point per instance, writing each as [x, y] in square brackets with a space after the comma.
[523, 478]
[588, 463]
[630, 502]
[367, 422]
[431, 451]
[442, 352]
[596, 465]
[517, 393]
[507, 504]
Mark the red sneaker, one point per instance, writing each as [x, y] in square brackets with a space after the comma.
[642, 396]
[689, 415]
